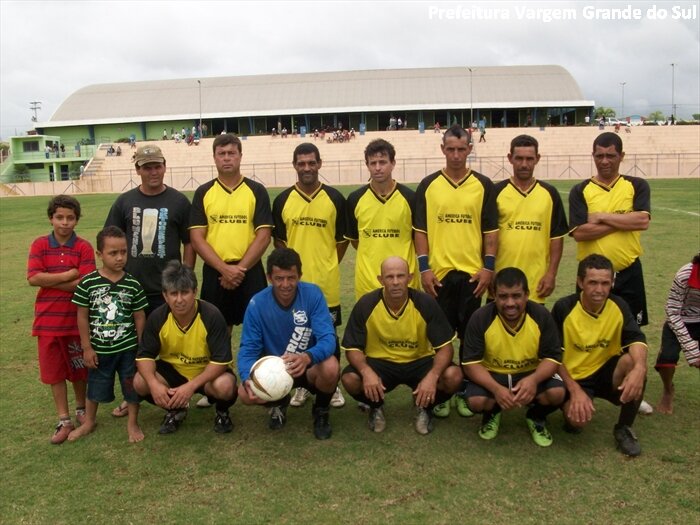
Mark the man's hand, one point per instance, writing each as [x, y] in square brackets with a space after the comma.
[430, 282]
[546, 285]
[296, 363]
[180, 396]
[90, 358]
[251, 394]
[504, 398]
[159, 393]
[424, 393]
[71, 275]
[373, 387]
[525, 391]
[232, 276]
[632, 385]
[581, 407]
[483, 277]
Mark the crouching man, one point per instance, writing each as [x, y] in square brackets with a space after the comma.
[397, 335]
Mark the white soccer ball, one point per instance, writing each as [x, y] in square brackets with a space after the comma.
[269, 379]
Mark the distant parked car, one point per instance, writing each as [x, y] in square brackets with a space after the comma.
[610, 121]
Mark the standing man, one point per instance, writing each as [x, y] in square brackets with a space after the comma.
[155, 218]
[605, 352]
[510, 355]
[397, 335]
[290, 319]
[230, 228]
[310, 218]
[607, 213]
[380, 219]
[456, 235]
[531, 221]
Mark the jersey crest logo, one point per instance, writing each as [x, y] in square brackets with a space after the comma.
[300, 317]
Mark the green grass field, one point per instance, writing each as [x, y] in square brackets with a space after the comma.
[255, 476]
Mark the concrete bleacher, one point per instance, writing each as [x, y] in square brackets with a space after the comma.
[651, 151]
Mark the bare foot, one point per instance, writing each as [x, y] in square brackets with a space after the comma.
[135, 433]
[665, 406]
[83, 430]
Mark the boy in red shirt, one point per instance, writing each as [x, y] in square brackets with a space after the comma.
[56, 264]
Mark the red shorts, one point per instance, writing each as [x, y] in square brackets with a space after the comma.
[61, 359]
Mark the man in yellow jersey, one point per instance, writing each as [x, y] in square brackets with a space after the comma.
[309, 217]
[230, 229]
[511, 354]
[185, 349]
[380, 219]
[531, 221]
[605, 352]
[397, 335]
[607, 214]
[456, 236]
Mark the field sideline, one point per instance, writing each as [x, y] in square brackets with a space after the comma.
[255, 476]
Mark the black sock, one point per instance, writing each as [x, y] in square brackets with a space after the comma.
[323, 400]
[539, 413]
[488, 414]
[628, 412]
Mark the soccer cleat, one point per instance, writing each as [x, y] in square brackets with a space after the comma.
[489, 427]
[627, 441]
[278, 417]
[322, 426]
[203, 402]
[442, 410]
[337, 401]
[424, 421]
[80, 415]
[538, 431]
[222, 422]
[64, 427]
[462, 406]
[645, 409]
[376, 420]
[300, 396]
[172, 421]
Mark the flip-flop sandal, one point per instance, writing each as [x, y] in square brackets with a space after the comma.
[121, 411]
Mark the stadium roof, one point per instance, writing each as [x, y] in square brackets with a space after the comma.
[311, 93]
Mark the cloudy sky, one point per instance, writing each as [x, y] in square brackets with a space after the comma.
[48, 50]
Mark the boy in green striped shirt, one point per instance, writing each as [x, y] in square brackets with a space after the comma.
[111, 317]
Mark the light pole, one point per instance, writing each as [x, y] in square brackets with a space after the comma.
[673, 92]
[35, 105]
[471, 97]
[622, 111]
[200, 105]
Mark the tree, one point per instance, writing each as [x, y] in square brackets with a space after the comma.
[656, 116]
[696, 116]
[604, 112]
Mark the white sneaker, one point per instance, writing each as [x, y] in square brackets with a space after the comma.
[299, 398]
[424, 421]
[645, 409]
[337, 401]
[203, 402]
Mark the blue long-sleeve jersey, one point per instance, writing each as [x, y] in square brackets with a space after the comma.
[270, 329]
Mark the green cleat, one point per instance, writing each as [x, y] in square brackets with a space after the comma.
[442, 410]
[538, 431]
[462, 407]
[489, 428]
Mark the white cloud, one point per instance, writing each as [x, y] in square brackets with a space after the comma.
[48, 50]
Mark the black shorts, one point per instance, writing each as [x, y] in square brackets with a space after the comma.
[175, 378]
[457, 300]
[395, 374]
[600, 382]
[510, 380]
[336, 315]
[232, 303]
[671, 348]
[629, 284]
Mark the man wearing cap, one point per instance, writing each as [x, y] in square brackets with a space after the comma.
[155, 218]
